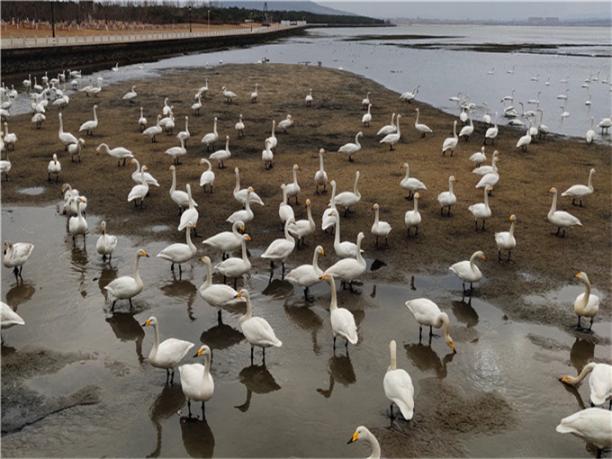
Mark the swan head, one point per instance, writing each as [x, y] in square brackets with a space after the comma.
[321, 151]
[296, 167]
[54, 157]
[320, 250]
[142, 253]
[205, 259]
[417, 195]
[6, 247]
[360, 432]
[512, 218]
[360, 133]
[250, 190]
[553, 190]
[289, 117]
[360, 237]
[480, 255]
[172, 168]
[488, 188]
[308, 203]
[246, 237]
[101, 147]
[150, 322]
[103, 226]
[242, 294]
[326, 277]
[582, 277]
[202, 350]
[240, 226]
[81, 141]
[452, 178]
[376, 206]
[592, 171]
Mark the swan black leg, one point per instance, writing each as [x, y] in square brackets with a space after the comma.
[131, 305]
[189, 407]
[251, 354]
[420, 333]
[203, 411]
[334, 342]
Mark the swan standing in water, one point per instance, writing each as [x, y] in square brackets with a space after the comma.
[207, 179]
[349, 269]
[468, 271]
[398, 386]
[592, 424]
[411, 184]
[363, 434]
[197, 381]
[140, 191]
[15, 254]
[127, 287]
[560, 218]
[280, 249]
[234, 267]
[190, 216]
[167, 354]
[347, 199]
[285, 211]
[342, 320]
[389, 128]
[422, 128]
[320, 177]
[8, 317]
[450, 143]
[89, 126]
[217, 295]
[412, 218]
[600, 381]
[481, 210]
[179, 253]
[380, 228]
[580, 191]
[586, 304]
[505, 240]
[106, 243]
[227, 241]
[304, 227]
[54, 168]
[351, 148]
[394, 137]
[427, 313]
[256, 330]
[447, 199]
[307, 275]
[77, 223]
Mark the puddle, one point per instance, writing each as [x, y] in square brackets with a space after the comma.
[32, 191]
[159, 228]
[499, 391]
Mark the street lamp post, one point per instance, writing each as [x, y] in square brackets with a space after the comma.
[189, 18]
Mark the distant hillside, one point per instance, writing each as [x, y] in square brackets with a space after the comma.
[273, 5]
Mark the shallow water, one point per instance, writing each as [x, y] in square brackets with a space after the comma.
[443, 72]
[306, 401]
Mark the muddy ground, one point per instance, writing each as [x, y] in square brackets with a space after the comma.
[540, 262]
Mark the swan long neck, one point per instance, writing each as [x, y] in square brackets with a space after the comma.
[578, 379]
[295, 176]
[553, 206]
[156, 341]
[392, 356]
[309, 214]
[288, 235]
[357, 140]
[355, 190]
[360, 258]
[284, 190]
[375, 447]
[237, 187]
[337, 232]
[173, 186]
[248, 313]
[486, 198]
[450, 187]
[397, 124]
[208, 279]
[455, 129]
[333, 303]
[511, 229]
[321, 167]
[587, 291]
[417, 118]
[590, 182]
[206, 364]
[407, 176]
[95, 110]
[137, 165]
[416, 204]
[244, 251]
[376, 215]
[137, 271]
[315, 260]
[445, 324]
[192, 247]
[333, 196]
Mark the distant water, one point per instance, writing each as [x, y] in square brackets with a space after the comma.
[451, 61]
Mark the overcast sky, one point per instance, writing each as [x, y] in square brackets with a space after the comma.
[456, 9]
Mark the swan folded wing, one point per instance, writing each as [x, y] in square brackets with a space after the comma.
[218, 294]
[576, 191]
[423, 310]
[189, 217]
[22, 250]
[593, 424]
[304, 275]
[125, 285]
[600, 383]
[343, 322]
[278, 248]
[398, 387]
[346, 268]
[258, 331]
[175, 252]
[171, 351]
[137, 192]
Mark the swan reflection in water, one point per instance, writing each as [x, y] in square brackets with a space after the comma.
[198, 438]
[183, 290]
[167, 404]
[465, 313]
[425, 358]
[340, 370]
[582, 352]
[221, 336]
[305, 318]
[126, 328]
[20, 293]
[256, 378]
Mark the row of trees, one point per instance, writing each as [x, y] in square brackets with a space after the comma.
[156, 12]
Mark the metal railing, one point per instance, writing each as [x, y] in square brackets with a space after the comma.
[18, 43]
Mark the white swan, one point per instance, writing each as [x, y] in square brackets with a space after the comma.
[217, 295]
[15, 255]
[427, 313]
[398, 386]
[308, 99]
[179, 253]
[328, 219]
[320, 177]
[196, 380]
[210, 138]
[136, 175]
[491, 133]
[560, 218]
[222, 155]
[351, 148]
[505, 240]
[590, 134]
[77, 225]
[447, 199]
[592, 424]
[587, 303]
[127, 287]
[580, 191]
[130, 95]
[394, 137]
[285, 211]
[347, 199]
[106, 243]
[380, 228]
[421, 127]
[362, 433]
[203, 91]
[139, 191]
[411, 184]
[190, 216]
[365, 102]
[478, 157]
[196, 106]
[228, 95]
[272, 139]
[8, 317]
[74, 150]
[450, 143]
[307, 275]
[491, 179]
[487, 169]
[389, 128]
[65, 137]
[280, 249]
[5, 166]
[467, 131]
[243, 215]
[304, 227]
[524, 141]
[366, 119]
[344, 249]
[120, 153]
[239, 126]
[468, 271]
[412, 218]
[54, 168]
[227, 241]
[409, 96]
[167, 354]
[293, 188]
[342, 320]
[207, 179]
[255, 94]
[89, 126]
[234, 267]
[256, 330]
[153, 131]
[177, 151]
[184, 135]
[181, 198]
[481, 210]
[349, 269]
[286, 123]
[240, 194]
[600, 381]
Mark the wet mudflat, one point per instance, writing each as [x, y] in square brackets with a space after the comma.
[76, 375]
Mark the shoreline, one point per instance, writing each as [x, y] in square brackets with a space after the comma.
[526, 177]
